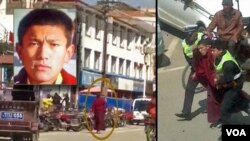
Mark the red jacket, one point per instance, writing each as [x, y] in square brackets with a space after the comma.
[99, 104]
[204, 66]
[68, 79]
[151, 108]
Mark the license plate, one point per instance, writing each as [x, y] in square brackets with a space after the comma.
[12, 115]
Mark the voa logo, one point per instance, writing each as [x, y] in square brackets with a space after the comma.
[236, 132]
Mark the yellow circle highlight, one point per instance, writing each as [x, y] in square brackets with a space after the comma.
[116, 113]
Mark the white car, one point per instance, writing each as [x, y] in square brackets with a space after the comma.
[139, 107]
[174, 15]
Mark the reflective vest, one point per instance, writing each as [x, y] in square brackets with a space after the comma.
[47, 103]
[187, 49]
[227, 57]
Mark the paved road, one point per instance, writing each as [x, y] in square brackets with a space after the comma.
[170, 101]
[128, 133]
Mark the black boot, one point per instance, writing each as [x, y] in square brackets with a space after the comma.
[183, 115]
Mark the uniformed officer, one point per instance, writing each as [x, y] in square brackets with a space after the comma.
[189, 44]
[229, 81]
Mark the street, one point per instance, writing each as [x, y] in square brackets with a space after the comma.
[129, 132]
[170, 101]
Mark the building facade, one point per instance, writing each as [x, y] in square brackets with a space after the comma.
[130, 45]
[126, 66]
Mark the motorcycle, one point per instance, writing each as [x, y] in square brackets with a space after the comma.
[87, 120]
[109, 119]
[45, 123]
[67, 121]
[121, 120]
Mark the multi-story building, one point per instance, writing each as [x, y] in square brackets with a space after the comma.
[126, 66]
[130, 44]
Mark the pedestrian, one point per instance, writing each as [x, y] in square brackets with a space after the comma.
[151, 107]
[57, 101]
[99, 109]
[189, 44]
[47, 103]
[66, 100]
[229, 24]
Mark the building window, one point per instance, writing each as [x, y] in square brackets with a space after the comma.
[88, 24]
[128, 68]
[107, 63]
[115, 33]
[135, 70]
[121, 62]
[97, 60]
[7, 73]
[123, 37]
[142, 39]
[130, 38]
[140, 69]
[137, 37]
[87, 58]
[98, 27]
[113, 63]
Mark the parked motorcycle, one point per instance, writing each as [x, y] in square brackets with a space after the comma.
[121, 121]
[45, 123]
[67, 121]
[109, 120]
[87, 120]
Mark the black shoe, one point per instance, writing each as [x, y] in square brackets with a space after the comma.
[216, 124]
[220, 139]
[247, 111]
[185, 116]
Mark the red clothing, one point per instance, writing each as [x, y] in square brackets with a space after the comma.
[98, 107]
[205, 73]
[68, 78]
[99, 104]
[21, 77]
[204, 66]
[151, 108]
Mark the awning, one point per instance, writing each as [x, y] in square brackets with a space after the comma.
[95, 89]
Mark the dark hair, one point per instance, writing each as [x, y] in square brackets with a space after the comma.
[219, 44]
[46, 17]
[205, 40]
[48, 96]
[191, 37]
[200, 26]
[227, 2]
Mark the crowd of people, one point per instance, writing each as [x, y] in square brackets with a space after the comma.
[56, 102]
[214, 65]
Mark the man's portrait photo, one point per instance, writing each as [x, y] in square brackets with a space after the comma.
[44, 49]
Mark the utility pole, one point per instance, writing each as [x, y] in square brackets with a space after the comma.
[146, 70]
[105, 9]
[80, 35]
[146, 51]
